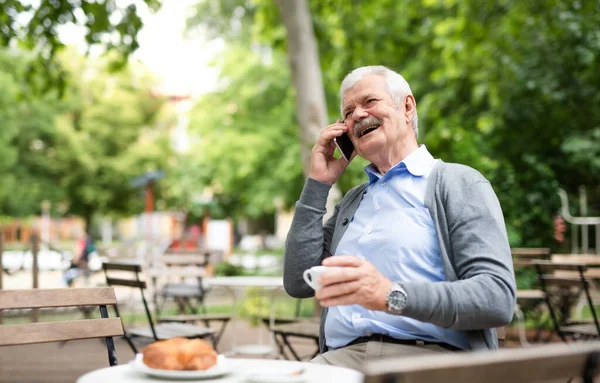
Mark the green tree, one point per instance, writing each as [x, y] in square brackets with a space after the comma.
[82, 150]
[35, 26]
[510, 88]
[9, 117]
[26, 142]
[107, 137]
[248, 151]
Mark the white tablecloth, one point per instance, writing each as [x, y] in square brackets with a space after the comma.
[241, 282]
[240, 369]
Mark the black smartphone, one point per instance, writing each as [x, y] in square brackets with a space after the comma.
[345, 146]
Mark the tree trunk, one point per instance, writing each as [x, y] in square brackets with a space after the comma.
[311, 107]
[303, 57]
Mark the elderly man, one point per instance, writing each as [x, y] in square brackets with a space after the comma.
[421, 255]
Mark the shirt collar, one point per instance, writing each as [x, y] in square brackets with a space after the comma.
[418, 163]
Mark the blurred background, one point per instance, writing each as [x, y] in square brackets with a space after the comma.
[130, 129]
[178, 122]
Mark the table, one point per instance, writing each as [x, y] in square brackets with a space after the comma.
[240, 369]
[236, 286]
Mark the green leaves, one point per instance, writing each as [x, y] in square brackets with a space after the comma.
[247, 149]
[36, 28]
[509, 87]
[81, 150]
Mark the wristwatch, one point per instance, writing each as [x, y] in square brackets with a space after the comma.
[396, 299]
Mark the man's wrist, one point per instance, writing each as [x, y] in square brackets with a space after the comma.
[382, 299]
[397, 299]
[319, 179]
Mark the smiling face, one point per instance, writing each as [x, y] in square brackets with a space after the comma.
[379, 129]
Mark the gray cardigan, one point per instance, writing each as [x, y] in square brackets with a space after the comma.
[480, 290]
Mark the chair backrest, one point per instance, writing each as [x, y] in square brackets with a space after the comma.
[208, 257]
[186, 259]
[555, 362]
[524, 256]
[133, 276]
[180, 266]
[30, 333]
[563, 283]
[129, 277]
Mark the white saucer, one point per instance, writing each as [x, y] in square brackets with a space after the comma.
[219, 369]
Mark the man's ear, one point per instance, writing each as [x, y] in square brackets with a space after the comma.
[410, 107]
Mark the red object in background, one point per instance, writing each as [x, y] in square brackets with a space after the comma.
[190, 242]
[149, 197]
[175, 245]
[187, 245]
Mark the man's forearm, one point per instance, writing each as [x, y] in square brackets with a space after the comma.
[306, 239]
[476, 303]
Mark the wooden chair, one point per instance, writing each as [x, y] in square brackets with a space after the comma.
[66, 330]
[547, 363]
[284, 329]
[524, 256]
[154, 331]
[562, 292]
[592, 261]
[283, 333]
[188, 296]
[528, 300]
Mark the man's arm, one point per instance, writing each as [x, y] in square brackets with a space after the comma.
[484, 295]
[308, 240]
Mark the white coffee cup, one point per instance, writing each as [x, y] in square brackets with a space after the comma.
[312, 275]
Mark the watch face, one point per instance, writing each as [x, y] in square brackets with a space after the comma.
[397, 300]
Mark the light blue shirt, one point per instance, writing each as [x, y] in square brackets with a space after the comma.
[393, 230]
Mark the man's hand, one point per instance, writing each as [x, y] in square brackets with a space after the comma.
[355, 282]
[324, 167]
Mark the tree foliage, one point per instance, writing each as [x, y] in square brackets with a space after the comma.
[511, 88]
[248, 152]
[35, 27]
[81, 151]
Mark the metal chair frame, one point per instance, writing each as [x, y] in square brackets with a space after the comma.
[136, 269]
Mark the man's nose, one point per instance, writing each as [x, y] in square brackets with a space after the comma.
[359, 114]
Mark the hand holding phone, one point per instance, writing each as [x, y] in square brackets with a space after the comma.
[324, 167]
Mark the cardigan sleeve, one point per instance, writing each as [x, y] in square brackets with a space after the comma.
[473, 238]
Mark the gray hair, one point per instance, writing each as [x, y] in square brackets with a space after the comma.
[395, 84]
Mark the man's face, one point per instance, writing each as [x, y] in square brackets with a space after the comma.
[374, 121]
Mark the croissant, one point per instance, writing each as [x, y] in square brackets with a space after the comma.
[180, 354]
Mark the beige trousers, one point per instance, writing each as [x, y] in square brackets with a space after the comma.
[355, 355]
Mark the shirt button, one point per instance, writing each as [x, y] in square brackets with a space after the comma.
[369, 230]
[378, 208]
[383, 183]
[356, 316]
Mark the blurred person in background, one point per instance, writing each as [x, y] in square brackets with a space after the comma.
[81, 258]
[423, 263]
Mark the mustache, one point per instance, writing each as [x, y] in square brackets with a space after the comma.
[371, 120]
